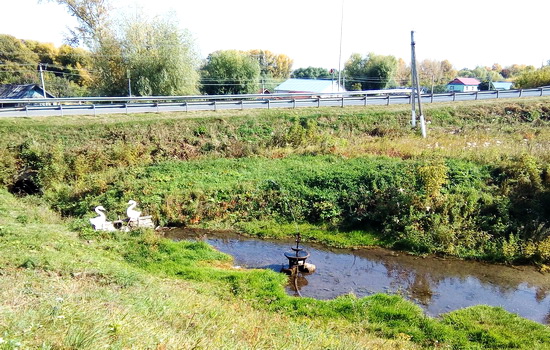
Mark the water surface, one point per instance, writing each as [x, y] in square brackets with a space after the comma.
[438, 285]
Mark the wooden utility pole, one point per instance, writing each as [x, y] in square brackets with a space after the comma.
[417, 86]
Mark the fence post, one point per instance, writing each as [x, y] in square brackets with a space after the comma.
[126, 106]
[454, 96]
[268, 104]
[365, 99]
[93, 107]
[293, 103]
[186, 106]
[318, 102]
[541, 91]
[476, 94]
[388, 103]
[242, 105]
[61, 109]
[342, 102]
[520, 92]
[432, 98]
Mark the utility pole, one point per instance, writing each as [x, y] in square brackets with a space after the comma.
[413, 87]
[129, 83]
[419, 94]
[340, 55]
[42, 80]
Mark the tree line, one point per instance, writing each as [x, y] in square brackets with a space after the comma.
[146, 56]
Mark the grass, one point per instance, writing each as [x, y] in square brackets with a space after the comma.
[336, 169]
[60, 290]
[63, 286]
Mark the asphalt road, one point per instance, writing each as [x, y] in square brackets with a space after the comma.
[254, 103]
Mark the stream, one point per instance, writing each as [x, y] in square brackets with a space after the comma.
[438, 285]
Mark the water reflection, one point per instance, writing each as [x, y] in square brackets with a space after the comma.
[437, 285]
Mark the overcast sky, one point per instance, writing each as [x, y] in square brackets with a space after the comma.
[467, 33]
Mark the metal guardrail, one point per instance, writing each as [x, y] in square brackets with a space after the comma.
[104, 105]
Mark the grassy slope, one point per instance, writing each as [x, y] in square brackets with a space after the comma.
[59, 291]
[62, 291]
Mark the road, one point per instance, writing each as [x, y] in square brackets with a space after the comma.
[95, 106]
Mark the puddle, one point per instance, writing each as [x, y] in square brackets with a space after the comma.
[437, 285]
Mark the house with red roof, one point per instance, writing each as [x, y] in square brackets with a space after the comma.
[463, 85]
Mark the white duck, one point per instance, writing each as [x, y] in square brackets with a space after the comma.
[100, 222]
[133, 215]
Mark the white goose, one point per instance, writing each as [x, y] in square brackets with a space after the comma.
[133, 215]
[135, 219]
[100, 222]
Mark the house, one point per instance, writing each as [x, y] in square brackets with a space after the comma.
[15, 92]
[314, 86]
[463, 85]
[501, 85]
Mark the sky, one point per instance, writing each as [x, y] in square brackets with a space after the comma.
[467, 33]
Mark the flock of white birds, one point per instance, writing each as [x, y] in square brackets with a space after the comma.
[134, 219]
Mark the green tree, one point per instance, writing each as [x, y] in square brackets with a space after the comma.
[110, 77]
[230, 72]
[372, 72]
[272, 65]
[533, 78]
[403, 73]
[77, 63]
[515, 70]
[47, 52]
[160, 58]
[18, 63]
[436, 73]
[311, 73]
[157, 57]
[485, 75]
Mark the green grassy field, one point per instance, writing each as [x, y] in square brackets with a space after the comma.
[478, 187]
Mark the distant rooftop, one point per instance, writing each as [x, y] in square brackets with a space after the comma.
[502, 85]
[465, 81]
[309, 85]
[14, 91]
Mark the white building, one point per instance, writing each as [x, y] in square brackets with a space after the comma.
[314, 86]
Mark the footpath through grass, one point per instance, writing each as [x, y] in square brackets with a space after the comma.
[60, 290]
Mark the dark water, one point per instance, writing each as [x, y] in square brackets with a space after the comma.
[437, 285]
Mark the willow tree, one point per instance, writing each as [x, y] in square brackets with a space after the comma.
[371, 72]
[154, 55]
[230, 72]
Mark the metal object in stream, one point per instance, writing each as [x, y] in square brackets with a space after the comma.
[297, 263]
[297, 259]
